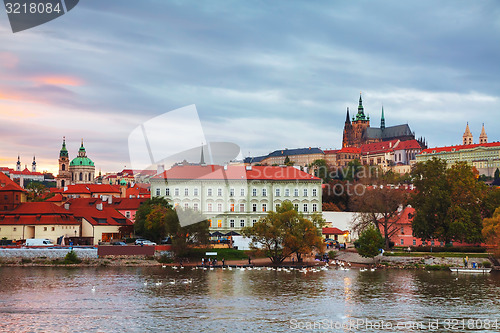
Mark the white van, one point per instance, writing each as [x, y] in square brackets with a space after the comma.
[38, 242]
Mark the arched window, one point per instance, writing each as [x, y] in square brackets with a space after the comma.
[81, 176]
[63, 167]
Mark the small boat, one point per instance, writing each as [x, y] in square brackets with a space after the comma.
[470, 270]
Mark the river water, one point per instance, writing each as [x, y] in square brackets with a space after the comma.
[111, 299]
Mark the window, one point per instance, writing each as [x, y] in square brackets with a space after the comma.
[402, 241]
[277, 192]
[186, 205]
[167, 191]
[402, 230]
[186, 192]
[231, 192]
[195, 207]
[53, 228]
[296, 192]
[209, 192]
[231, 223]
[253, 222]
[44, 228]
[242, 208]
[219, 192]
[242, 223]
[287, 192]
[264, 207]
[254, 207]
[315, 207]
[176, 191]
[219, 223]
[219, 207]
[254, 192]
[158, 192]
[305, 192]
[15, 229]
[296, 207]
[242, 192]
[264, 192]
[315, 192]
[127, 215]
[209, 207]
[231, 207]
[414, 242]
[277, 206]
[195, 192]
[305, 208]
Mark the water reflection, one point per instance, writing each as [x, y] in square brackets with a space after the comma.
[162, 299]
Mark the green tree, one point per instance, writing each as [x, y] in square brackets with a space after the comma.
[496, 178]
[491, 230]
[36, 191]
[321, 170]
[285, 232]
[447, 202]
[370, 242]
[354, 171]
[152, 226]
[287, 161]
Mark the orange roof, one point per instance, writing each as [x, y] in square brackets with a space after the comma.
[235, 172]
[352, 150]
[378, 147]
[84, 208]
[7, 184]
[91, 188]
[408, 144]
[459, 147]
[334, 231]
[331, 151]
[56, 198]
[26, 172]
[38, 213]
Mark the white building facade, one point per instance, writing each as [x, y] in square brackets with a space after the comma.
[234, 197]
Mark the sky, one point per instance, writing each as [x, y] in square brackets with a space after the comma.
[264, 75]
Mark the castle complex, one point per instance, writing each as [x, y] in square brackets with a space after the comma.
[357, 131]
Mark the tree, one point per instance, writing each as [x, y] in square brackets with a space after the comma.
[285, 232]
[380, 207]
[155, 219]
[321, 170]
[491, 230]
[287, 161]
[370, 242]
[447, 202]
[35, 191]
[496, 178]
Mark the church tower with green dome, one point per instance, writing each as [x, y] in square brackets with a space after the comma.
[82, 168]
[64, 176]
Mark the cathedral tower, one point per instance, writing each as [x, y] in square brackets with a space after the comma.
[483, 138]
[467, 138]
[64, 176]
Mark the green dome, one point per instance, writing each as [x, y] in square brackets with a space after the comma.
[82, 161]
[123, 182]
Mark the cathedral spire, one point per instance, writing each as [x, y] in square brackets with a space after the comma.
[483, 138]
[361, 112]
[347, 118]
[33, 165]
[63, 152]
[382, 120]
[202, 159]
[467, 138]
[18, 164]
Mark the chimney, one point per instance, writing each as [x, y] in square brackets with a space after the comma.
[110, 199]
[99, 206]
[66, 206]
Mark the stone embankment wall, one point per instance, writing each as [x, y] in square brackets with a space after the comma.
[429, 260]
[82, 253]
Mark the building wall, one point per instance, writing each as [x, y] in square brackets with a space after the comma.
[50, 231]
[215, 201]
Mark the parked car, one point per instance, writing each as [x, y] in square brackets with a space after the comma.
[39, 242]
[141, 241]
[118, 243]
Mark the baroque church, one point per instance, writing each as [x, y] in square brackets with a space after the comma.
[357, 131]
[81, 170]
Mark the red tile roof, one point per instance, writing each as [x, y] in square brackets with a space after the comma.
[334, 231]
[331, 151]
[126, 203]
[378, 147]
[460, 147]
[408, 144]
[56, 198]
[235, 172]
[7, 184]
[87, 208]
[38, 213]
[26, 172]
[351, 150]
[89, 189]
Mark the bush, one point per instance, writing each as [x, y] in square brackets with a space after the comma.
[71, 258]
[165, 259]
[332, 254]
[487, 264]
[26, 260]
